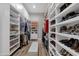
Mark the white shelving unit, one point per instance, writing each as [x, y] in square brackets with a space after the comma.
[14, 29]
[54, 9]
[7, 47]
[54, 49]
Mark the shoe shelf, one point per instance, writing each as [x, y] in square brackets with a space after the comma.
[53, 32]
[53, 25]
[52, 12]
[75, 19]
[56, 53]
[51, 7]
[59, 5]
[14, 30]
[72, 20]
[14, 21]
[52, 18]
[68, 20]
[51, 52]
[15, 48]
[14, 38]
[70, 8]
[51, 46]
[51, 39]
[71, 51]
[14, 34]
[14, 44]
[68, 35]
[13, 13]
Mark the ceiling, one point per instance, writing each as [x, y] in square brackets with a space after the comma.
[40, 7]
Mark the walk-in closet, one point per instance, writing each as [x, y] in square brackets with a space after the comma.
[39, 29]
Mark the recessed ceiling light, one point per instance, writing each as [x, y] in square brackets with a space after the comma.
[34, 6]
[19, 6]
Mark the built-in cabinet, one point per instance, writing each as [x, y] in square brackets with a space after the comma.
[10, 28]
[14, 29]
[64, 29]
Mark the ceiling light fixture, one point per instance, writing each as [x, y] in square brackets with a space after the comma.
[19, 6]
[34, 6]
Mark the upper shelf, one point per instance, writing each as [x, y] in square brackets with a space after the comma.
[68, 35]
[75, 19]
[69, 21]
[52, 25]
[72, 7]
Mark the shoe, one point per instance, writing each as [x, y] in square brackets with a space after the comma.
[64, 52]
[76, 26]
[52, 22]
[77, 50]
[52, 42]
[52, 35]
[76, 32]
[70, 15]
[70, 30]
[64, 41]
[53, 29]
[71, 42]
[67, 42]
[75, 44]
[63, 29]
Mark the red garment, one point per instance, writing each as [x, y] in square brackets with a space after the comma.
[46, 26]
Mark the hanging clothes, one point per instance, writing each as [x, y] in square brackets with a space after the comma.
[26, 28]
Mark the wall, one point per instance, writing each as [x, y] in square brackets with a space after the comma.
[40, 19]
[4, 28]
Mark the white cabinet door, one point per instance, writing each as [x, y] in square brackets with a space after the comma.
[34, 36]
